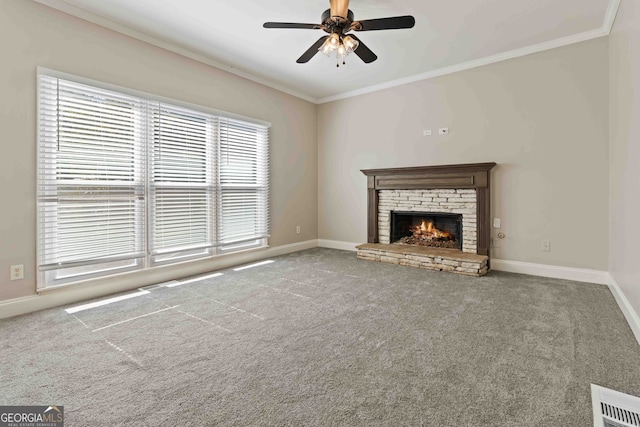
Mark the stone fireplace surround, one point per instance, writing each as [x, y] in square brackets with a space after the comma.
[459, 201]
[462, 188]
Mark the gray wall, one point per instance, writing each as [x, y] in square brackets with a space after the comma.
[543, 118]
[624, 47]
[34, 35]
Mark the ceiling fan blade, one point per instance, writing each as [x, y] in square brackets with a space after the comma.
[339, 7]
[312, 50]
[363, 51]
[394, 23]
[292, 25]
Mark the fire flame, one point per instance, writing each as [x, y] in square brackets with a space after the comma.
[428, 230]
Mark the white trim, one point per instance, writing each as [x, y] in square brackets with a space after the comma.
[607, 25]
[552, 44]
[72, 294]
[290, 248]
[336, 244]
[78, 12]
[69, 294]
[615, 399]
[627, 309]
[595, 405]
[610, 16]
[557, 272]
[578, 275]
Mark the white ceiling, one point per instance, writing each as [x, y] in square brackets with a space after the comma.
[448, 36]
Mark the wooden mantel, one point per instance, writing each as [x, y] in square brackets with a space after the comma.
[470, 175]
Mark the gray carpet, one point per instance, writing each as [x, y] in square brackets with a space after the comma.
[319, 338]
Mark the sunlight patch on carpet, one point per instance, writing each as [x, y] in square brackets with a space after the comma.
[257, 264]
[104, 302]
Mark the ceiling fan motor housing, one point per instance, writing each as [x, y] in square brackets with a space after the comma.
[336, 24]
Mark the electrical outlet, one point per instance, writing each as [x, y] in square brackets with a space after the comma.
[495, 243]
[443, 131]
[17, 272]
[297, 229]
[546, 246]
[426, 132]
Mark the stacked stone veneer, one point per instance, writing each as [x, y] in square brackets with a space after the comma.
[430, 259]
[462, 201]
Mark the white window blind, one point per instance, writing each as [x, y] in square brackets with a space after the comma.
[244, 184]
[182, 183]
[90, 178]
[126, 182]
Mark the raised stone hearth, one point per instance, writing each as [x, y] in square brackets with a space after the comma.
[448, 189]
[423, 257]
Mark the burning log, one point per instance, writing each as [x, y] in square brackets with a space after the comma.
[427, 231]
[426, 234]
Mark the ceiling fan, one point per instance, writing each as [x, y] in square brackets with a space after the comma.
[337, 22]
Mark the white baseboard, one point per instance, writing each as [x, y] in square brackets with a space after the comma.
[290, 248]
[63, 295]
[627, 309]
[554, 271]
[73, 294]
[578, 275]
[336, 244]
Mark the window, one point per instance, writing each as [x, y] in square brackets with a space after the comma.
[126, 182]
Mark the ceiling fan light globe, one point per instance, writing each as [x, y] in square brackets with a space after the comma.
[350, 43]
[334, 40]
[326, 47]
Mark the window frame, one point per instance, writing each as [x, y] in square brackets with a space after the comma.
[54, 277]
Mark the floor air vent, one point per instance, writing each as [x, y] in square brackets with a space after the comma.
[614, 409]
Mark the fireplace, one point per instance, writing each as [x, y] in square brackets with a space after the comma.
[460, 189]
[432, 217]
[432, 229]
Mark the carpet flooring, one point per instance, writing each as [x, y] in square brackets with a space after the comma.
[319, 338]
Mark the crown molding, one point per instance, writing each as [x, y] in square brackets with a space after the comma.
[607, 25]
[604, 30]
[565, 41]
[65, 7]
[610, 16]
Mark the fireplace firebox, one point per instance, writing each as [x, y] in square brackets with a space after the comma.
[434, 229]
